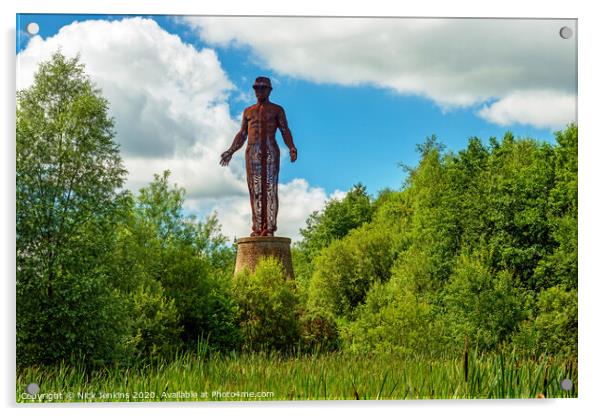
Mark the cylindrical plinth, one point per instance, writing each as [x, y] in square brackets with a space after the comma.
[250, 250]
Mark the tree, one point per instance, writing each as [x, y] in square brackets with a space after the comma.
[345, 270]
[560, 265]
[483, 305]
[553, 327]
[68, 171]
[516, 191]
[483, 245]
[333, 223]
[165, 258]
[68, 165]
[337, 219]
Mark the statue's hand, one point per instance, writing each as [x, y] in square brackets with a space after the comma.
[293, 152]
[226, 156]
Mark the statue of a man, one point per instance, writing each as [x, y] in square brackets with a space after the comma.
[262, 156]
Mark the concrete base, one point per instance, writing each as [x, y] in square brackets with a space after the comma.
[250, 250]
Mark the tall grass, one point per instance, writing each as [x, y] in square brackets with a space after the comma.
[336, 375]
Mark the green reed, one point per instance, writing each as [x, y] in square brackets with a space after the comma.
[336, 375]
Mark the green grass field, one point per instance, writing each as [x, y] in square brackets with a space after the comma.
[309, 377]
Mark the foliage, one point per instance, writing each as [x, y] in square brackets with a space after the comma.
[269, 307]
[347, 268]
[184, 258]
[334, 222]
[68, 170]
[154, 323]
[520, 176]
[319, 331]
[393, 318]
[553, 328]
[475, 240]
[337, 219]
[482, 305]
[84, 321]
[559, 266]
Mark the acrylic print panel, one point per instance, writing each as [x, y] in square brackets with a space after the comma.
[295, 208]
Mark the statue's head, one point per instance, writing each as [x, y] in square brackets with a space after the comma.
[262, 87]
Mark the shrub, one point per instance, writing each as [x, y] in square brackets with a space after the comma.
[346, 269]
[482, 304]
[553, 330]
[81, 321]
[394, 318]
[154, 324]
[268, 307]
[157, 246]
[319, 331]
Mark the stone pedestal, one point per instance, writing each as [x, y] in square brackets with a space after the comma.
[250, 250]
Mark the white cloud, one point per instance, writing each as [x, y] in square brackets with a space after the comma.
[297, 201]
[157, 85]
[538, 108]
[455, 62]
[169, 101]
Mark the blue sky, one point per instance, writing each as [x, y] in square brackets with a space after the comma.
[357, 124]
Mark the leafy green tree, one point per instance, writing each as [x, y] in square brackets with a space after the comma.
[559, 266]
[186, 258]
[335, 221]
[347, 268]
[468, 174]
[68, 172]
[516, 228]
[553, 327]
[68, 165]
[434, 230]
[482, 305]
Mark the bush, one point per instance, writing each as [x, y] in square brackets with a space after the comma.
[155, 329]
[82, 320]
[203, 299]
[554, 327]
[319, 331]
[394, 318]
[346, 269]
[157, 246]
[268, 307]
[482, 304]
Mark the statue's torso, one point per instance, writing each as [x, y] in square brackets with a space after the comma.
[262, 123]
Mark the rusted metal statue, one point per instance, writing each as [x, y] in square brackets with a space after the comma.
[262, 156]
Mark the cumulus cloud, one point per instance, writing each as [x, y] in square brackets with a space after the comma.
[169, 101]
[454, 62]
[538, 108]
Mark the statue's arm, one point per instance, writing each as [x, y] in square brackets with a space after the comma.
[238, 141]
[286, 134]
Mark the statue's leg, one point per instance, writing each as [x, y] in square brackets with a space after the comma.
[253, 162]
[273, 168]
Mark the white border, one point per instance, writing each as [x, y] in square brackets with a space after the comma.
[589, 189]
